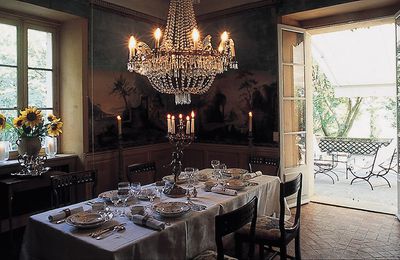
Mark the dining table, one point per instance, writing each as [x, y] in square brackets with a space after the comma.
[184, 237]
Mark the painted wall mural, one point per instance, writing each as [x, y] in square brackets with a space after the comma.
[221, 113]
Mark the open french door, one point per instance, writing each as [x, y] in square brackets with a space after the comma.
[295, 106]
[397, 24]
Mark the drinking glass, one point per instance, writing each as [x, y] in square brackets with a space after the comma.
[215, 165]
[123, 194]
[115, 200]
[221, 170]
[190, 174]
[136, 188]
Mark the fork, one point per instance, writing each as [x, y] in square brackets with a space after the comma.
[109, 233]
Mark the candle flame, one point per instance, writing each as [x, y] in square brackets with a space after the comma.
[192, 114]
[224, 36]
[118, 117]
[173, 117]
[187, 118]
[195, 35]
[250, 114]
[180, 116]
[132, 42]
[168, 116]
[157, 34]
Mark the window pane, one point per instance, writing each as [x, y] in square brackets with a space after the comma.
[40, 53]
[8, 87]
[292, 47]
[40, 88]
[295, 150]
[295, 114]
[8, 44]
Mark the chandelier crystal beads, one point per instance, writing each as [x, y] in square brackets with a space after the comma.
[182, 64]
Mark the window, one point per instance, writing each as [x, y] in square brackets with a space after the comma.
[27, 68]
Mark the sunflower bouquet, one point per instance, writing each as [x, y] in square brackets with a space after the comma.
[30, 123]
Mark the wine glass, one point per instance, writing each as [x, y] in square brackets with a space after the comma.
[115, 200]
[189, 173]
[136, 188]
[222, 170]
[215, 165]
[123, 194]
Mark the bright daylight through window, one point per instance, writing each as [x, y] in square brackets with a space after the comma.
[26, 70]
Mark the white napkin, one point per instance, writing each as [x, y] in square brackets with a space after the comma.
[252, 175]
[64, 213]
[148, 222]
[222, 190]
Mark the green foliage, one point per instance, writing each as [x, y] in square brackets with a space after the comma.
[332, 116]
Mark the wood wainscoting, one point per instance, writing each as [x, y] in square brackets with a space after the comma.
[196, 155]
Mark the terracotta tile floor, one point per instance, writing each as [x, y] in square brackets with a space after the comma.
[329, 232]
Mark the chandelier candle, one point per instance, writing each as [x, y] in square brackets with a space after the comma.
[181, 63]
[188, 125]
[119, 123]
[173, 125]
[169, 123]
[192, 124]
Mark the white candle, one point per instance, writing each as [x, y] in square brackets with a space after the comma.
[250, 121]
[2, 151]
[169, 123]
[119, 123]
[187, 125]
[192, 125]
[173, 125]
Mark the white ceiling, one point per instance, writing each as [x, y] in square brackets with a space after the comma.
[159, 8]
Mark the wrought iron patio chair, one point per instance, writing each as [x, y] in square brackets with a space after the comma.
[324, 163]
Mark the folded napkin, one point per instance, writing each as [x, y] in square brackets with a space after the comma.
[252, 175]
[64, 213]
[222, 190]
[148, 221]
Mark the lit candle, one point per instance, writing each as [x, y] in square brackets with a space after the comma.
[119, 123]
[173, 125]
[187, 125]
[224, 38]
[192, 125]
[132, 47]
[180, 119]
[169, 123]
[157, 36]
[250, 121]
[195, 37]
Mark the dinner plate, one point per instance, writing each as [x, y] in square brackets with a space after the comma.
[86, 218]
[231, 172]
[170, 178]
[235, 184]
[171, 208]
[145, 194]
[105, 217]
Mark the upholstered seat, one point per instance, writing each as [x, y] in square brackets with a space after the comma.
[211, 255]
[267, 228]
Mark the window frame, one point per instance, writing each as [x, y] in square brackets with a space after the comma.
[23, 23]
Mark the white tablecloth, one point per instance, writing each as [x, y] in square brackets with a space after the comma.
[185, 238]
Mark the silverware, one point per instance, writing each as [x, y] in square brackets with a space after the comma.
[118, 228]
[105, 230]
[61, 221]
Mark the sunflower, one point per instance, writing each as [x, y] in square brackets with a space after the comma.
[54, 128]
[32, 116]
[51, 117]
[18, 122]
[2, 122]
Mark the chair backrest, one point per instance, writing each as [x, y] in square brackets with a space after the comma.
[145, 173]
[233, 221]
[287, 189]
[267, 165]
[69, 188]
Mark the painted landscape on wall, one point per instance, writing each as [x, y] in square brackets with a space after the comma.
[221, 113]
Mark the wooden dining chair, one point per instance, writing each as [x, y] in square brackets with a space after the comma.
[277, 232]
[230, 222]
[69, 188]
[267, 165]
[145, 173]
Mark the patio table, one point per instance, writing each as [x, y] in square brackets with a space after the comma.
[184, 238]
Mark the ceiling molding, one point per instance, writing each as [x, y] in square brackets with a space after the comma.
[100, 4]
[237, 9]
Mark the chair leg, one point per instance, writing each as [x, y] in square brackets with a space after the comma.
[297, 247]
[283, 253]
[238, 246]
[261, 251]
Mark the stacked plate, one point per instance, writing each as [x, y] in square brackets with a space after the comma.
[170, 178]
[235, 184]
[234, 172]
[88, 219]
[171, 209]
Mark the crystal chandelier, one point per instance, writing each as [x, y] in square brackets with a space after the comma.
[182, 64]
